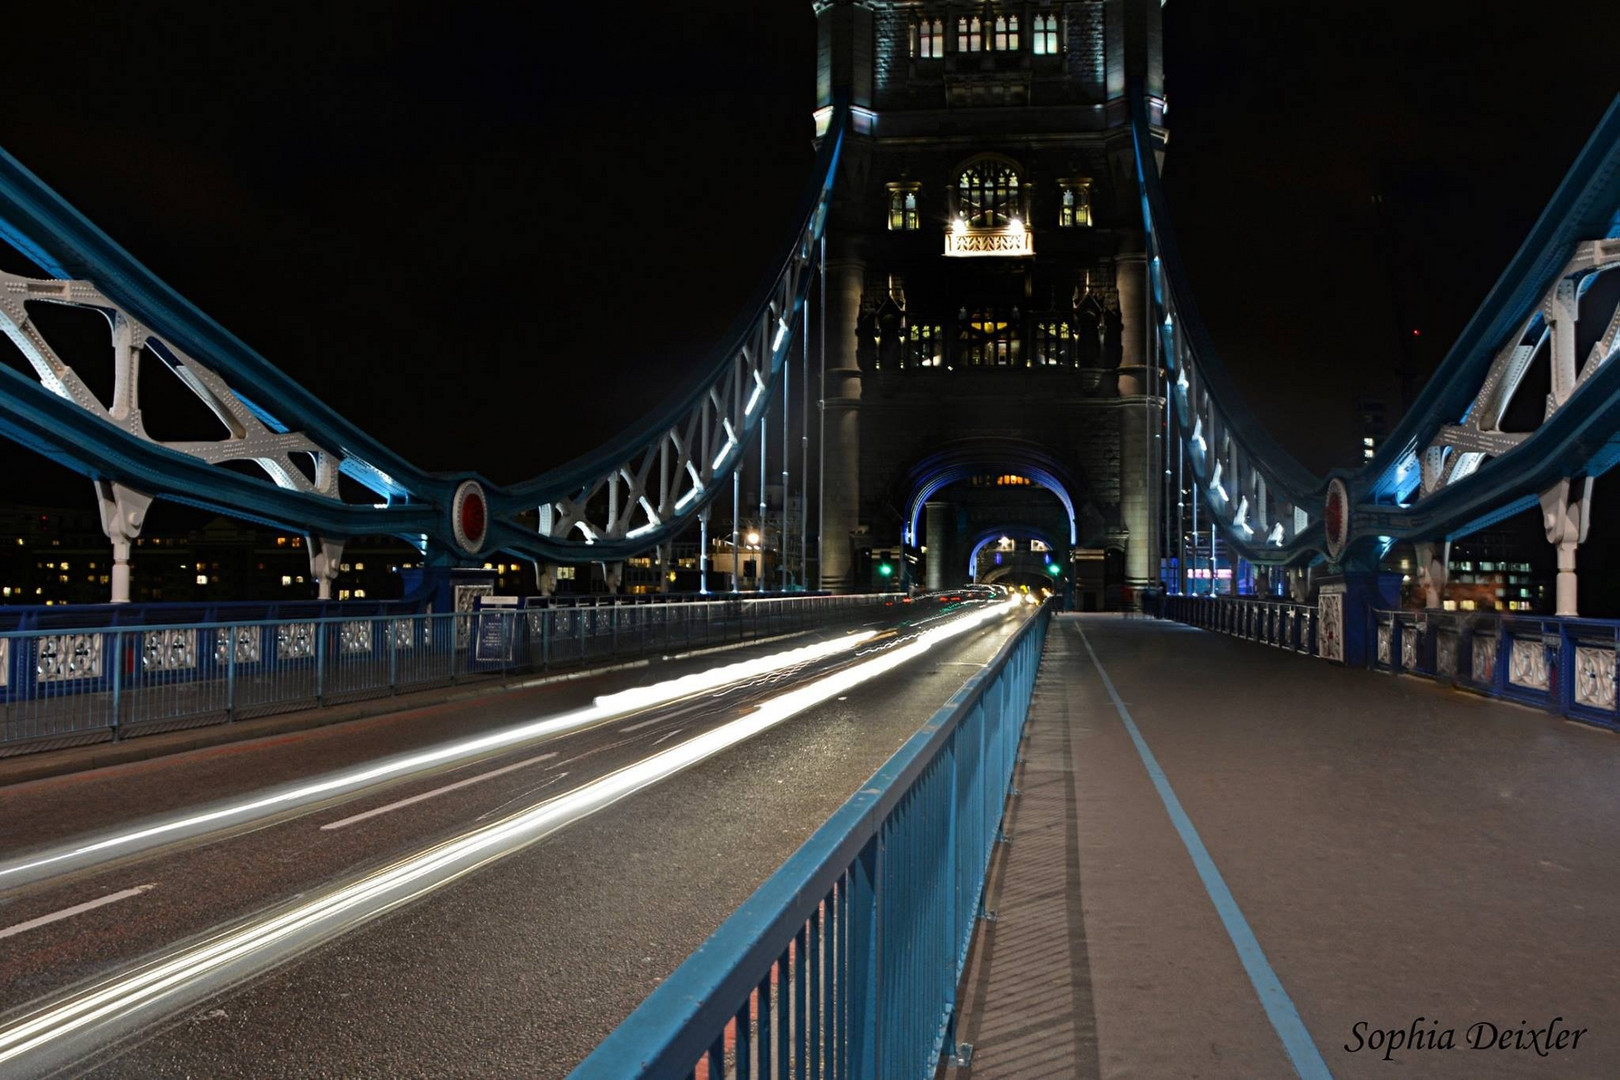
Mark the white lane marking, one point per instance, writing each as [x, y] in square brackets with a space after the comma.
[438, 791]
[667, 735]
[233, 953]
[606, 707]
[76, 909]
[644, 723]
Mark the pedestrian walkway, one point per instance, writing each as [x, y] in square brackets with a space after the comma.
[1231, 861]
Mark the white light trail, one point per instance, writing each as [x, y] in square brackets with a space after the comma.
[235, 954]
[74, 855]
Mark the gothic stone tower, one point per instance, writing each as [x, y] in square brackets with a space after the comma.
[985, 287]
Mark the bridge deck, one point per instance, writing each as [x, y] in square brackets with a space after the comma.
[1399, 851]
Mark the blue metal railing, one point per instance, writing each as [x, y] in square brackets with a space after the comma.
[63, 687]
[1564, 665]
[845, 962]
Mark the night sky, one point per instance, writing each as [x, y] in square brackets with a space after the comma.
[491, 241]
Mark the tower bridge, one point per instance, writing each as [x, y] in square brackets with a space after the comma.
[899, 825]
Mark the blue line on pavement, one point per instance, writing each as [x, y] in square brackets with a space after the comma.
[1296, 1040]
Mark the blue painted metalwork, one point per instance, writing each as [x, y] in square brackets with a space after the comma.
[63, 685]
[989, 456]
[706, 420]
[1269, 507]
[1012, 532]
[874, 914]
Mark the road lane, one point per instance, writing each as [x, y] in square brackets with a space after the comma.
[278, 862]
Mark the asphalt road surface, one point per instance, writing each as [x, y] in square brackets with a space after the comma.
[480, 888]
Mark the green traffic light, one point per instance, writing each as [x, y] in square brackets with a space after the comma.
[885, 569]
[1054, 569]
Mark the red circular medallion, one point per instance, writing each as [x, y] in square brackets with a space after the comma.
[1336, 517]
[469, 517]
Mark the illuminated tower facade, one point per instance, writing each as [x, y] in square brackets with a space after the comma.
[985, 305]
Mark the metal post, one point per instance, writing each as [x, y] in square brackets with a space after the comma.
[117, 678]
[764, 439]
[230, 673]
[1181, 514]
[1195, 528]
[736, 511]
[804, 448]
[821, 409]
[787, 463]
[703, 552]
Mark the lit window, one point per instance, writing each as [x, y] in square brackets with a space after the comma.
[286, 579]
[988, 194]
[343, 594]
[565, 573]
[344, 567]
[62, 578]
[1038, 546]
[988, 339]
[1054, 344]
[1074, 202]
[1046, 39]
[968, 34]
[1366, 440]
[928, 39]
[903, 207]
[1006, 39]
[362, 566]
[202, 579]
[925, 346]
[359, 594]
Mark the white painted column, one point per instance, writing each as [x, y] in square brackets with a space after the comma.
[123, 512]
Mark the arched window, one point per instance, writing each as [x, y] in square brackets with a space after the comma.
[903, 207]
[1054, 343]
[988, 194]
[1074, 202]
[1045, 32]
[1006, 38]
[928, 39]
[969, 34]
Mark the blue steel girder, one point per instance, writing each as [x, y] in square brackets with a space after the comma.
[635, 492]
[1449, 468]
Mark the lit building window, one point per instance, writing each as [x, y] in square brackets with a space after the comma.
[925, 346]
[1006, 37]
[1054, 343]
[969, 34]
[361, 566]
[202, 579]
[988, 194]
[1039, 546]
[286, 579]
[928, 39]
[1074, 202]
[1045, 41]
[988, 338]
[565, 573]
[359, 594]
[903, 207]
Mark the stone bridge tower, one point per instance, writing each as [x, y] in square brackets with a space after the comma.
[986, 314]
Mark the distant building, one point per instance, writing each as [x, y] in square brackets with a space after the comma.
[1372, 421]
[1498, 571]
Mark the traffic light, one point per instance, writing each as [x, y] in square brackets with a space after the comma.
[1054, 569]
[885, 569]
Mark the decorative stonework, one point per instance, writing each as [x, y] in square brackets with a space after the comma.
[1002, 242]
[1306, 618]
[1410, 635]
[247, 645]
[168, 650]
[1594, 677]
[355, 637]
[1330, 627]
[1527, 664]
[1484, 659]
[1336, 517]
[466, 603]
[5, 661]
[1384, 633]
[295, 641]
[1445, 654]
[69, 656]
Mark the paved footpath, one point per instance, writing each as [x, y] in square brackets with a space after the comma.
[1232, 861]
